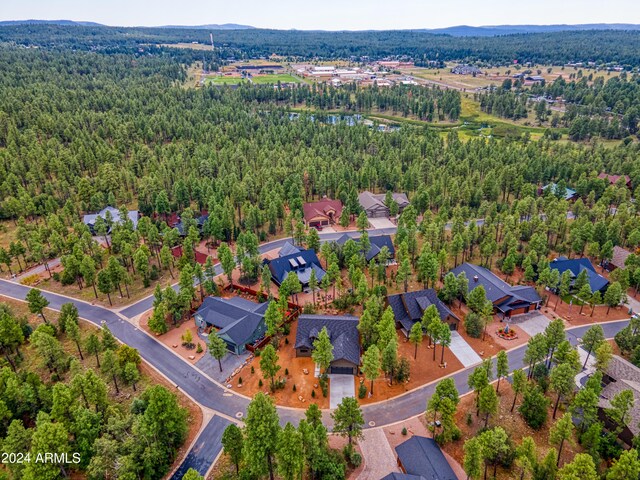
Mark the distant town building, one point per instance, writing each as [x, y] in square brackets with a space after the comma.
[466, 69]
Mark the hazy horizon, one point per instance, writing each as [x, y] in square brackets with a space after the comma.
[330, 15]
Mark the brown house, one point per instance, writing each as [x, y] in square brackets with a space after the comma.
[613, 179]
[617, 260]
[322, 213]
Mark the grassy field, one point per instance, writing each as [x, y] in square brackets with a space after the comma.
[223, 80]
[257, 79]
[275, 78]
[495, 76]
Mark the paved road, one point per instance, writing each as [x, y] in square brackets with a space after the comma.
[205, 450]
[147, 303]
[414, 402]
[214, 396]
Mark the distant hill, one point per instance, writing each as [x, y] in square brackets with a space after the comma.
[223, 26]
[493, 30]
[49, 22]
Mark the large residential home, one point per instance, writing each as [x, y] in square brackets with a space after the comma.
[344, 335]
[621, 375]
[613, 179]
[374, 207]
[110, 213]
[421, 458]
[409, 307]
[596, 281]
[569, 194]
[200, 221]
[322, 213]
[199, 257]
[294, 259]
[376, 243]
[618, 258]
[239, 322]
[507, 299]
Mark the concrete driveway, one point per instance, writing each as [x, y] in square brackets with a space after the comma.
[463, 351]
[340, 386]
[531, 323]
[381, 222]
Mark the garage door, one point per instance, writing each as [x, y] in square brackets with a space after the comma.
[342, 370]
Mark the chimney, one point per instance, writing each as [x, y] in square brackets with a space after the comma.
[475, 278]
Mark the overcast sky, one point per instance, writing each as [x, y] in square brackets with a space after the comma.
[326, 14]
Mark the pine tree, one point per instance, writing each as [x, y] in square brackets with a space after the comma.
[371, 364]
[217, 347]
[347, 419]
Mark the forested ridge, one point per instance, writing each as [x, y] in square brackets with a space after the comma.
[543, 48]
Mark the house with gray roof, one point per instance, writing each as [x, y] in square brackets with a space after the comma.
[507, 299]
[376, 243]
[110, 214]
[402, 476]
[423, 458]
[300, 262]
[621, 375]
[344, 336]
[575, 265]
[569, 194]
[374, 206]
[409, 307]
[239, 322]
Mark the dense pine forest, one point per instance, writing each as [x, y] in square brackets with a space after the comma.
[543, 48]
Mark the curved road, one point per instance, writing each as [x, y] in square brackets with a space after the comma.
[227, 404]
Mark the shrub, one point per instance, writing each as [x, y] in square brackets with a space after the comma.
[154, 273]
[362, 390]
[199, 348]
[469, 419]
[403, 370]
[260, 383]
[404, 431]
[309, 309]
[473, 325]
[253, 370]
[324, 385]
[541, 376]
[352, 457]
[534, 408]
[257, 352]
